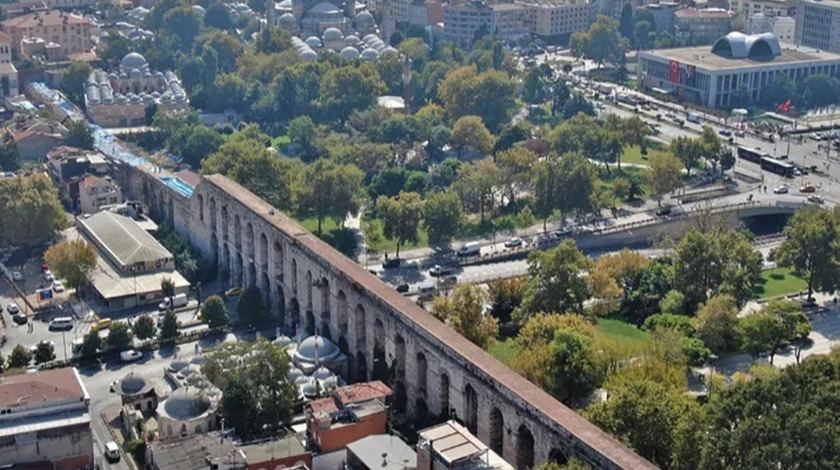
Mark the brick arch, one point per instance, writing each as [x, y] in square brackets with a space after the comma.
[342, 319]
[277, 258]
[497, 431]
[213, 223]
[470, 413]
[226, 231]
[263, 251]
[524, 447]
[443, 394]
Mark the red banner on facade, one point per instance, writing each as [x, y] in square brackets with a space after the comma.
[674, 72]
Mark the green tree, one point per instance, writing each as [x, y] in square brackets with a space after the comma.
[489, 95]
[642, 35]
[401, 217]
[673, 303]
[169, 326]
[217, 16]
[469, 131]
[680, 323]
[144, 327]
[534, 86]
[250, 305]
[214, 312]
[9, 154]
[19, 358]
[346, 89]
[515, 170]
[478, 181]
[812, 247]
[577, 104]
[183, 25]
[556, 283]
[443, 215]
[167, 287]
[329, 190]
[120, 336]
[689, 151]
[44, 352]
[717, 323]
[601, 42]
[302, 132]
[30, 211]
[505, 296]
[80, 135]
[91, 344]
[72, 261]
[239, 405]
[777, 323]
[463, 311]
[663, 174]
[74, 79]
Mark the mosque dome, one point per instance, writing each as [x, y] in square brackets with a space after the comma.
[199, 9]
[131, 384]
[350, 53]
[186, 403]
[313, 42]
[310, 389]
[370, 54]
[188, 371]
[333, 34]
[352, 40]
[294, 374]
[325, 8]
[283, 341]
[287, 19]
[132, 61]
[369, 37]
[309, 54]
[321, 373]
[302, 380]
[317, 346]
[364, 18]
[330, 382]
[390, 52]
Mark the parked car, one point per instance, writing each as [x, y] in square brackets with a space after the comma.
[233, 292]
[725, 132]
[663, 212]
[816, 199]
[808, 188]
[783, 189]
[48, 276]
[179, 300]
[402, 288]
[17, 276]
[514, 243]
[12, 308]
[130, 355]
[58, 286]
[20, 319]
[740, 133]
[438, 270]
[101, 324]
[391, 263]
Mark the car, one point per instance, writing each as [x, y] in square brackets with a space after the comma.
[740, 133]
[58, 286]
[390, 263]
[438, 270]
[402, 288]
[782, 157]
[600, 105]
[783, 189]
[808, 188]
[816, 199]
[112, 451]
[20, 319]
[725, 132]
[101, 324]
[233, 292]
[130, 355]
[48, 276]
[663, 212]
[449, 281]
[12, 308]
[514, 243]
[563, 232]
[17, 276]
[670, 115]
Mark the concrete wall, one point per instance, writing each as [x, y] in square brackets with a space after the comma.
[68, 448]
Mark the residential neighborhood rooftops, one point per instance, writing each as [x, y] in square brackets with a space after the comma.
[41, 387]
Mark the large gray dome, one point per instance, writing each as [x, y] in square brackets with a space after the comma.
[288, 19]
[350, 53]
[132, 61]
[132, 384]
[333, 34]
[186, 403]
[317, 346]
[364, 18]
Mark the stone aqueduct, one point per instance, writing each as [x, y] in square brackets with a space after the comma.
[432, 369]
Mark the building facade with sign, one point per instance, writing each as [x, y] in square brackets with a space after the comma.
[710, 76]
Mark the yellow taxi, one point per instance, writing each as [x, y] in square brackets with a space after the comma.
[101, 324]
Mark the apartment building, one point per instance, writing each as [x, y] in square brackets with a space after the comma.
[45, 420]
[506, 20]
[96, 191]
[697, 27]
[62, 33]
[818, 24]
[555, 18]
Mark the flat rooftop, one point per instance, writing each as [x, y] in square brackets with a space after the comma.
[703, 58]
[289, 446]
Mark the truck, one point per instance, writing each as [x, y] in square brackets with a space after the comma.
[179, 300]
[469, 249]
[605, 89]
[693, 116]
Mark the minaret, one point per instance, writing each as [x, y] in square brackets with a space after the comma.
[350, 9]
[269, 13]
[407, 91]
[388, 24]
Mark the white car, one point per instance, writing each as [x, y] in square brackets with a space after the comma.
[783, 189]
[130, 355]
[12, 308]
[514, 243]
[17, 276]
[48, 276]
[58, 286]
[112, 450]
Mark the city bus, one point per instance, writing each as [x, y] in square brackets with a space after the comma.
[750, 155]
[777, 166]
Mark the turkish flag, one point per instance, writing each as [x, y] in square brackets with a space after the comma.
[784, 107]
[674, 72]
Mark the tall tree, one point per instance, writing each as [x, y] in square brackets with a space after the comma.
[463, 311]
[19, 358]
[80, 135]
[778, 322]
[556, 283]
[30, 210]
[329, 190]
[601, 42]
[717, 323]
[663, 174]
[689, 151]
[214, 312]
[144, 327]
[401, 216]
[72, 261]
[443, 215]
[9, 153]
[169, 326]
[346, 89]
[469, 131]
[74, 79]
[515, 170]
[119, 336]
[44, 352]
[250, 305]
[812, 247]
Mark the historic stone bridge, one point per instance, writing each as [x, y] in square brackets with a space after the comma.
[432, 369]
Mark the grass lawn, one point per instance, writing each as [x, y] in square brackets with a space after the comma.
[622, 333]
[504, 351]
[375, 238]
[607, 180]
[327, 225]
[779, 281]
[633, 153]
